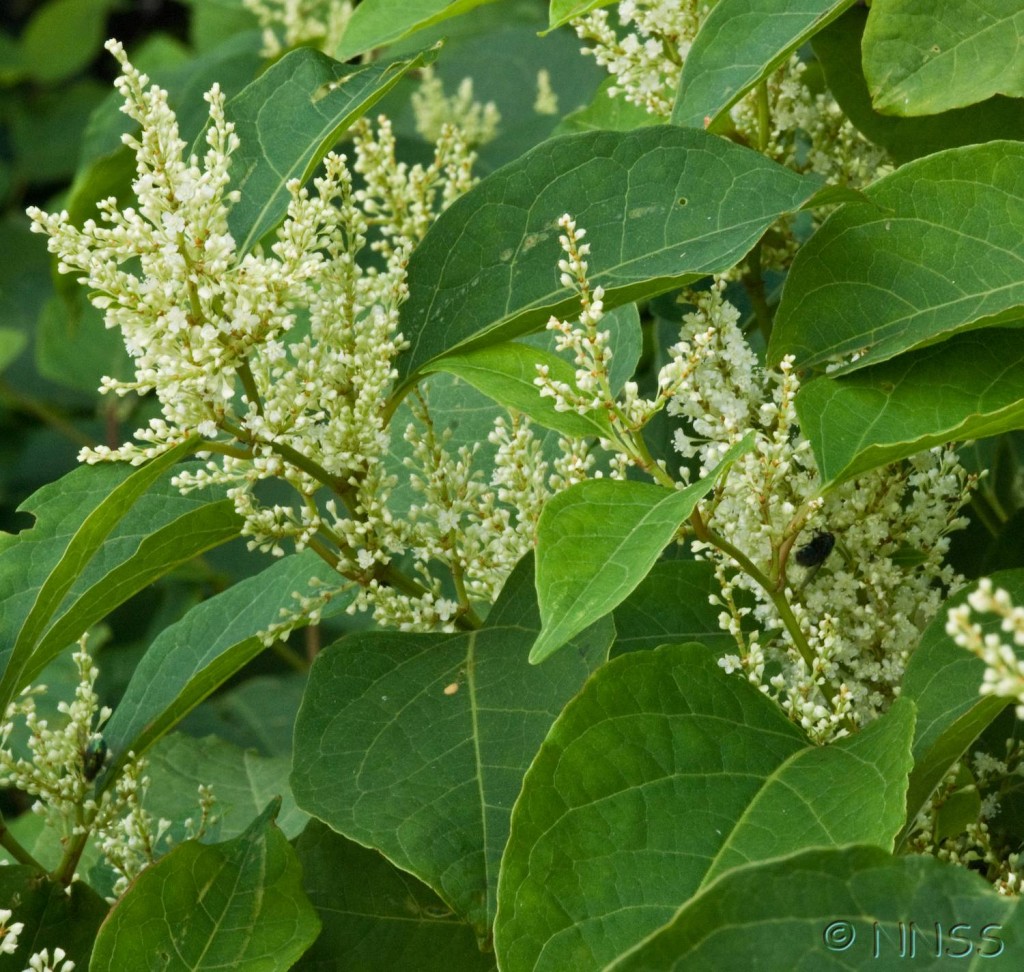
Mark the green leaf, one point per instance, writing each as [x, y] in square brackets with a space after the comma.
[849, 908]
[914, 402]
[597, 540]
[236, 905]
[243, 782]
[62, 38]
[562, 11]
[670, 606]
[287, 120]
[926, 56]
[158, 553]
[51, 914]
[192, 657]
[943, 679]
[605, 112]
[838, 48]
[12, 343]
[663, 773]
[505, 372]
[662, 207]
[416, 745]
[938, 250]
[88, 538]
[377, 916]
[162, 530]
[377, 23]
[257, 714]
[74, 348]
[739, 44]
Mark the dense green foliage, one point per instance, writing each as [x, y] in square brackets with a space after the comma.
[574, 777]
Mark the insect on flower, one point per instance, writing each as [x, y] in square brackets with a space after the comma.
[813, 554]
[93, 757]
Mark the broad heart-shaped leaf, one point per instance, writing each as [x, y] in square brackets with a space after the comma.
[192, 657]
[417, 744]
[662, 207]
[926, 56]
[598, 539]
[236, 905]
[938, 250]
[943, 679]
[376, 23]
[377, 916]
[50, 914]
[287, 120]
[968, 387]
[94, 523]
[661, 774]
[838, 49]
[506, 372]
[847, 908]
[739, 44]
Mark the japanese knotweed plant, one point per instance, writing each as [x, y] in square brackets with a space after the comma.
[657, 590]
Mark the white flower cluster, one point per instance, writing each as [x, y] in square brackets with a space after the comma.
[591, 389]
[862, 611]
[283, 361]
[647, 60]
[63, 762]
[985, 844]
[434, 111]
[829, 643]
[317, 22]
[38, 962]
[41, 962]
[807, 132]
[1004, 670]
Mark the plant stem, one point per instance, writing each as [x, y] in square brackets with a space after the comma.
[778, 597]
[753, 283]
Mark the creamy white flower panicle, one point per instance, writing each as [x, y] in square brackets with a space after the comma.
[58, 774]
[647, 60]
[41, 962]
[9, 932]
[435, 111]
[289, 23]
[807, 132]
[863, 610]
[1004, 671]
[591, 389]
[283, 361]
[859, 615]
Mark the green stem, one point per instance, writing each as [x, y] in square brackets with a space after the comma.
[753, 283]
[778, 597]
[64, 873]
[252, 393]
[763, 117]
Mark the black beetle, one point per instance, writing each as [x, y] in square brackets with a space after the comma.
[814, 553]
[93, 757]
